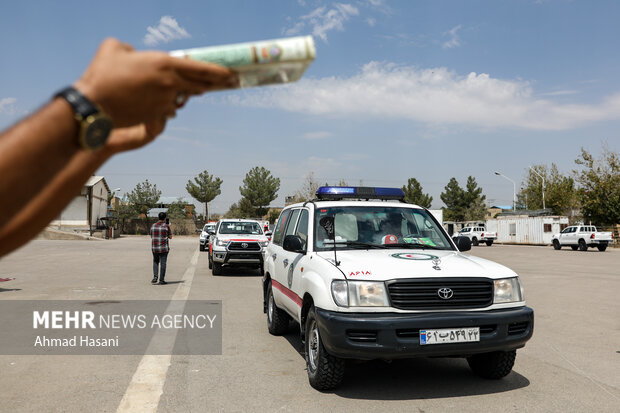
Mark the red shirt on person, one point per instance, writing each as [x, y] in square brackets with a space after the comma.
[160, 232]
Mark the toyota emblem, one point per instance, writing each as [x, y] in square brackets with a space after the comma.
[445, 293]
[244, 245]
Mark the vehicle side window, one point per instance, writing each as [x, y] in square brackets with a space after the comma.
[302, 227]
[278, 234]
[290, 229]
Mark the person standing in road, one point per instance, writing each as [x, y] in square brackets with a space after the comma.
[160, 234]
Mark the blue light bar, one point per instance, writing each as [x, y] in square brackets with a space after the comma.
[359, 192]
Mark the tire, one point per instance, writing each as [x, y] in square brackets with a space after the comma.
[277, 320]
[489, 243]
[582, 245]
[573, 247]
[217, 269]
[602, 248]
[556, 244]
[210, 262]
[493, 365]
[325, 372]
[474, 241]
[202, 247]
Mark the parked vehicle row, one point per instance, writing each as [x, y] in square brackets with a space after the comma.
[477, 235]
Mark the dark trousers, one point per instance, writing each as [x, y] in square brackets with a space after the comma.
[159, 258]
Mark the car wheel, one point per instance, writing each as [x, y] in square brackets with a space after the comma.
[277, 320]
[556, 244]
[202, 247]
[210, 262]
[602, 248]
[217, 269]
[493, 365]
[573, 247]
[582, 245]
[325, 371]
[489, 243]
[474, 241]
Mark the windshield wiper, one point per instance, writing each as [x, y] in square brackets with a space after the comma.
[357, 244]
[413, 246]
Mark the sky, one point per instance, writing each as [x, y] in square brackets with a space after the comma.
[399, 89]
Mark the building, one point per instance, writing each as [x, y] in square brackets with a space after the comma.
[164, 203]
[87, 210]
[527, 227]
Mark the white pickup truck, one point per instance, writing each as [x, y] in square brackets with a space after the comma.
[582, 237]
[477, 235]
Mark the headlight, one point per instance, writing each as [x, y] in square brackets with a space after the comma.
[221, 242]
[507, 290]
[263, 243]
[359, 294]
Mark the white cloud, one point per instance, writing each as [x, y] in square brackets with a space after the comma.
[323, 20]
[166, 31]
[454, 40]
[317, 135]
[7, 106]
[432, 96]
[371, 21]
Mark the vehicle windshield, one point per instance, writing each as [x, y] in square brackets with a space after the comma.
[240, 228]
[379, 227]
[209, 228]
[465, 230]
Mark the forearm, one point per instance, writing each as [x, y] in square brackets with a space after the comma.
[33, 152]
[51, 200]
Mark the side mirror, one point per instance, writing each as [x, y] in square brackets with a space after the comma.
[268, 233]
[211, 232]
[462, 243]
[293, 243]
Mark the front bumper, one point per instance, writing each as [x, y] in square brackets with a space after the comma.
[395, 335]
[240, 258]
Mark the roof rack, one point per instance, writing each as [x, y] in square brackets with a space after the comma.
[359, 192]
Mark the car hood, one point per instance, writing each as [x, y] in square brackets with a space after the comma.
[391, 264]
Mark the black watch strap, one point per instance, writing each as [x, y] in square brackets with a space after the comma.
[81, 105]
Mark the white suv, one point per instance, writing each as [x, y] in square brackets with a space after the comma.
[237, 242]
[383, 280]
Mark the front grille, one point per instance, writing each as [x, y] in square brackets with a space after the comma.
[362, 336]
[422, 293]
[237, 246]
[518, 328]
[243, 256]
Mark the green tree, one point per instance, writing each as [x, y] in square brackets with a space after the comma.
[452, 197]
[204, 189]
[177, 209]
[599, 186]
[560, 193]
[473, 202]
[241, 209]
[260, 188]
[463, 204]
[414, 195]
[144, 197]
[124, 212]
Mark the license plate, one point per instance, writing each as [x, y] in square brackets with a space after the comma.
[450, 335]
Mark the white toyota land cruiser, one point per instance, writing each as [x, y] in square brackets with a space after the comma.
[382, 280]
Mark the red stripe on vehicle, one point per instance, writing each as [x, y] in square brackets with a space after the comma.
[289, 293]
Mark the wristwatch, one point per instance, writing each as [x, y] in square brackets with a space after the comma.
[95, 125]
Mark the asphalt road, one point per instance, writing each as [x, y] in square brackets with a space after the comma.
[572, 364]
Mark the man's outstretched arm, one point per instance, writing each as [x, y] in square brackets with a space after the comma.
[41, 163]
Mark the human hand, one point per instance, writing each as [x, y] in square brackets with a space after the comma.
[142, 87]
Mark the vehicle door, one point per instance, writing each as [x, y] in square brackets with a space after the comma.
[285, 265]
[297, 261]
[571, 236]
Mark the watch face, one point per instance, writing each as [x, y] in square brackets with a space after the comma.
[97, 132]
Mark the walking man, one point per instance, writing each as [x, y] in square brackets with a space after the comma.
[160, 233]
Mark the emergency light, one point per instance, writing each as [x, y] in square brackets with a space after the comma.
[359, 192]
